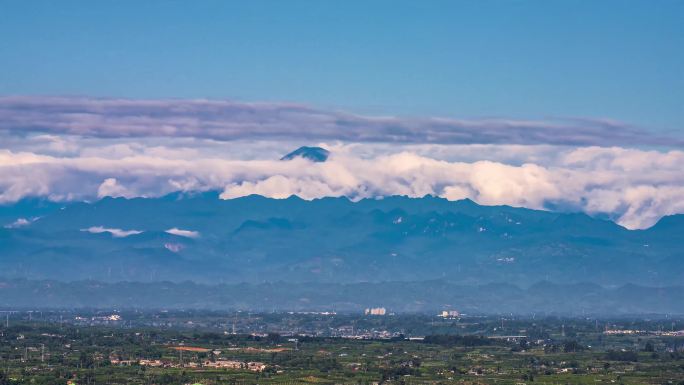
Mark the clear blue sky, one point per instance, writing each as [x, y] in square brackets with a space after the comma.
[524, 59]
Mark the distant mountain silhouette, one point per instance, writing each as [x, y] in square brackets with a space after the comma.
[257, 239]
[314, 154]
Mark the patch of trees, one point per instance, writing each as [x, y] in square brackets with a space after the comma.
[457, 340]
[572, 346]
[625, 356]
[397, 372]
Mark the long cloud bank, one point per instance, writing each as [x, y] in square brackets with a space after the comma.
[67, 148]
[229, 120]
[635, 187]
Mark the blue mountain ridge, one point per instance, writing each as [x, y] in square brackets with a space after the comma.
[335, 240]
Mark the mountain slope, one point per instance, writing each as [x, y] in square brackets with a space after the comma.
[314, 154]
[254, 239]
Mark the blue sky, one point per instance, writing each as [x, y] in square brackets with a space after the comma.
[566, 104]
[621, 60]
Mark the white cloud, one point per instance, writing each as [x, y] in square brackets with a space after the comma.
[83, 148]
[110, 187]
[116, 233]
[280, 187]
[183, 233]
[229, 120]
[636, 187]
[529, 185]
[21, 222]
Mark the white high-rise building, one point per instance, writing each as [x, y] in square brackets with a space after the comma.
[376, 311]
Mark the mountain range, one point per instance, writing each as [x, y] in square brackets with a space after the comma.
[195, 250]
[254, 239]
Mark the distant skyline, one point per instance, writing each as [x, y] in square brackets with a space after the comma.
[618, 60]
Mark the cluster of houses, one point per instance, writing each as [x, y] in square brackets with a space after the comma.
[219, 364]
[227, 364]
[623, 332]
[450, 314]
[673, 333]
[98, 320]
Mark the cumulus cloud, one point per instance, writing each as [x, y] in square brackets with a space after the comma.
[228, 120]
[116, 233]
[183, 233]
[635, 187]
[85, 148]
[110, 187]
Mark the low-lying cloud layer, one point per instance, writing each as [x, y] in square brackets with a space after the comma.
[183, 233]
[84, 148]
[635, 187]
[116, 233]
[228, 120]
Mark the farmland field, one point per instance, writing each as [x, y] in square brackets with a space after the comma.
[466, 350]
